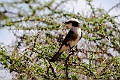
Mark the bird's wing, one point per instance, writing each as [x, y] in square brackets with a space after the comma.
[70, 37]
[63, 46]
[65, 41]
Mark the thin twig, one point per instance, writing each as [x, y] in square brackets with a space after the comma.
[54, 75]
[66, 64]
[76, 64]
[113, 7]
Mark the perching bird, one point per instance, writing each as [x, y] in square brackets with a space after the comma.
[71, 39]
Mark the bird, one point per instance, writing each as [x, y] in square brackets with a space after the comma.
[71, 39]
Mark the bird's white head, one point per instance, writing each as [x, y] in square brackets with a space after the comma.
[73, 23]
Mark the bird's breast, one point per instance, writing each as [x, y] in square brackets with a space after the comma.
[76, 36]
[74, 42]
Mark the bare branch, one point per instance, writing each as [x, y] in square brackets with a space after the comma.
[116, 6]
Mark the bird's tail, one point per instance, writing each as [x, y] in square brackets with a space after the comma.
[55, 57]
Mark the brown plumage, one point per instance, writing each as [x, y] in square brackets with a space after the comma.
[71, 38]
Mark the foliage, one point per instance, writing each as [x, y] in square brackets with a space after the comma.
[40, 23]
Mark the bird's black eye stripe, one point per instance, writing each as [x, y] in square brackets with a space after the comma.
[76, 24]
[68, 22]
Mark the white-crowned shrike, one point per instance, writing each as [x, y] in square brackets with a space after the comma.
[71, 39]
